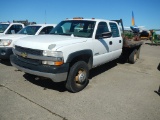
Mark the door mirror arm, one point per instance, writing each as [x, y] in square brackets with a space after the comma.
[107, 34]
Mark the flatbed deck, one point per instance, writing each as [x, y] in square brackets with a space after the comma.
[132, 43]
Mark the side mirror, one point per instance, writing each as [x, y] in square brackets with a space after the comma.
[106, 34]
[13, 32]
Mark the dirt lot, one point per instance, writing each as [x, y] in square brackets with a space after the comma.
[116, 92]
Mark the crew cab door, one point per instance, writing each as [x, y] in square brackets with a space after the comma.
[101, 46]
[116, 46]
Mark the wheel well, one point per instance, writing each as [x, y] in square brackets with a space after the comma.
[86, 58]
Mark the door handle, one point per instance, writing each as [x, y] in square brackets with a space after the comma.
[110, 42]
[120, 41]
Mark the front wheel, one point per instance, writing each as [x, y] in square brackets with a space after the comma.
[78, 77]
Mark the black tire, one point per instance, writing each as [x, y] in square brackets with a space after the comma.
[78, 77]
[133, 56]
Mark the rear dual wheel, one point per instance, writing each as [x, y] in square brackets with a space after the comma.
[78, 77]
[133, 56]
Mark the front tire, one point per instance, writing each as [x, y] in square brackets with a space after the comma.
[78, 77]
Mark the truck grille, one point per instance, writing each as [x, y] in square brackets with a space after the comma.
[30, 61]
[28, 50]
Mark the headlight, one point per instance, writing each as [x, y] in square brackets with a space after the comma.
[44, 53]
[52, 53]
[58, 57]
[5, 42]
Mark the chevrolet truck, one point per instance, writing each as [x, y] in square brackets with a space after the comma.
[73, 47]
[10, 28]
[6, 41]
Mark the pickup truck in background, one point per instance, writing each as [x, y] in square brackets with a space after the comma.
[73, 48]
[6, 41]
[10, 28]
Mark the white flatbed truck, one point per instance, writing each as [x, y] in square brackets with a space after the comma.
[73, 48]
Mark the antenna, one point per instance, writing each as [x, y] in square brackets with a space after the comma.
[45, 17]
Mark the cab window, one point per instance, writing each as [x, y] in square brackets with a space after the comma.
[3, 27]
[114, 29]
[46, 30]
[102, 27]
[14, 28]
[29, 30]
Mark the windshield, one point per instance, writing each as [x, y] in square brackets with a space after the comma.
[29, 30]
[3, 27]
[77, 28]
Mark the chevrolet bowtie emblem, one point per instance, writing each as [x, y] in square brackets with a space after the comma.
[24, 55]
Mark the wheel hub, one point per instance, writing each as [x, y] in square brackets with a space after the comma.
[80, 78]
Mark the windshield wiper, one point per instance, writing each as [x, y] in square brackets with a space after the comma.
[81, 36]
[60, 34]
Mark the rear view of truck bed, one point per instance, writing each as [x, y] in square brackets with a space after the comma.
[131, 50]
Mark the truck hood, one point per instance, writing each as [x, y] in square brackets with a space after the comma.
[43, 41]
[13, 37]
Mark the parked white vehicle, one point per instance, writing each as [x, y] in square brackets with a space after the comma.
[10, 28]
[6, 41]
[75, 47]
